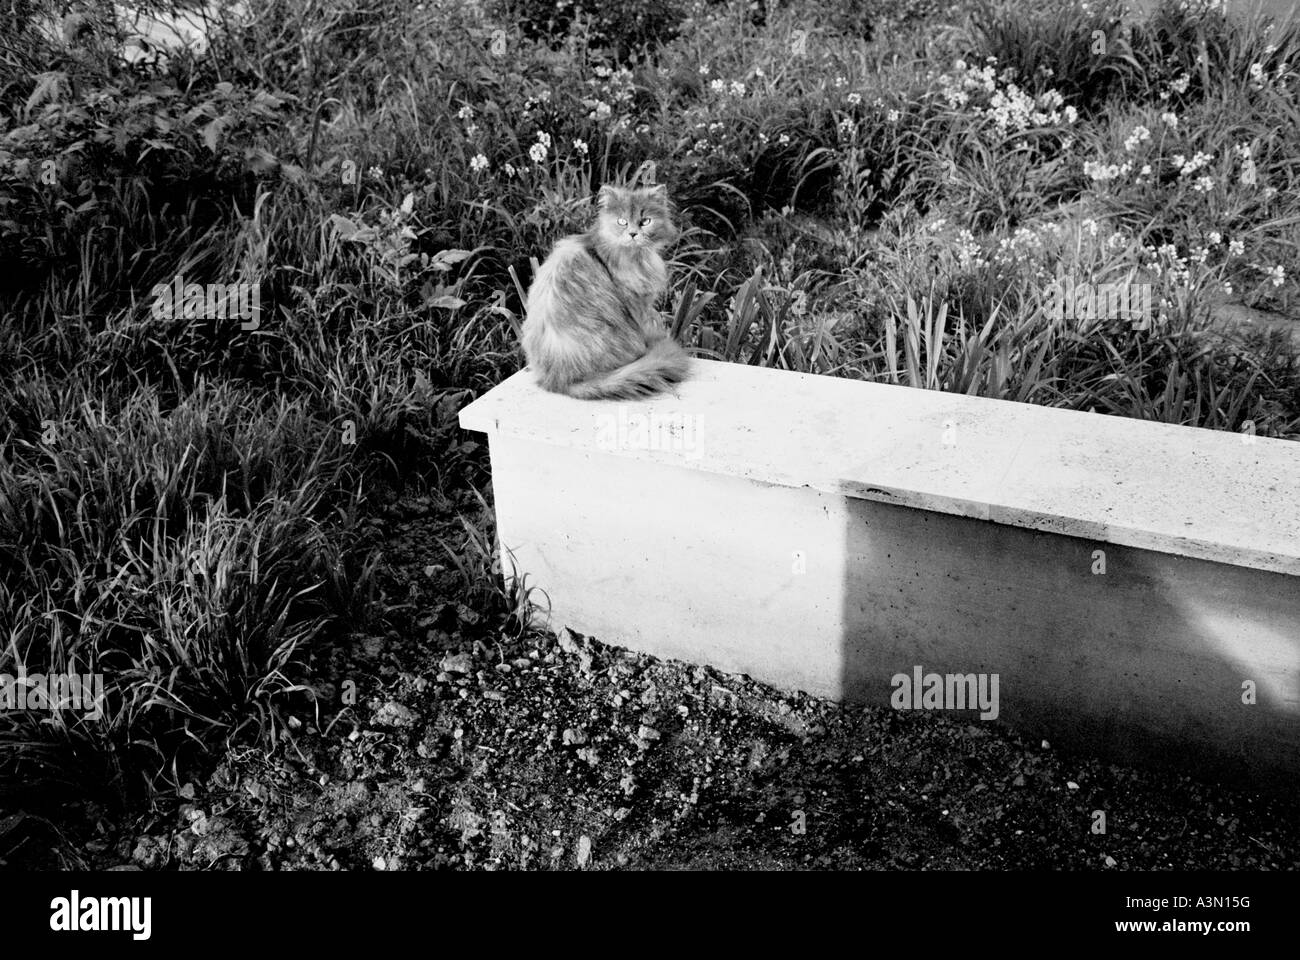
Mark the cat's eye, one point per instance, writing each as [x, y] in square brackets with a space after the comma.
[645, 222]
[622, 222]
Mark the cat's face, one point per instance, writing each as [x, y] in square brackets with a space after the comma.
[635, 218]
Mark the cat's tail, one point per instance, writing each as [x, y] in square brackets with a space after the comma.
[663, 365]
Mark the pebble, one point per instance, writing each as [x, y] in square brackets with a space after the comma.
[458, 663]
[394, 714]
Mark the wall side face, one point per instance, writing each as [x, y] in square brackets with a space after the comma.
[834, 596]
[1142, 662]
[678, 563]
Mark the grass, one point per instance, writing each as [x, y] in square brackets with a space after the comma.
[183, 501]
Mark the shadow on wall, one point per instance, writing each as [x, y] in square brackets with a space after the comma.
[1145, 661]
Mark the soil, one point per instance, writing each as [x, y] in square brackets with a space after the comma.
[477, 743]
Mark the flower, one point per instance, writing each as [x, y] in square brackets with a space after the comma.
[1180, 85]
[704, 69]
[892, 116]
[479, 163]
[1216, 238]
[465, 113]
[737, 88]
[1203, 185]
[537, 152]
[580, 146]
[1236, 248]
[509, 169]
[717, 86]
[471, 130]
[1138, 135]
[783, 139]
[1170, 119]
[374, 173]
[855, 98]
[1277, 274]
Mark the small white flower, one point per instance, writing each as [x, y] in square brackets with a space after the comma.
[737, 88]
[1139, 135]
[1169, 119]
[580, 146]
[479, 163]
[1071, 114]
[544, 139]
[471, 129]
[1277, 274]
[537, 152]
[374, 173]
[704, 69]
[1180, 85]
[892, 116]
[717, 86]
[465, 113]
[1236, 248]
[509, 169]
[855, 98]
[1216, 238]
[783, 139]
[1203, 184]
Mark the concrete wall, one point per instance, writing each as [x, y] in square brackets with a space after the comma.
[833, 595]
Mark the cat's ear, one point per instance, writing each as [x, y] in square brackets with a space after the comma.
[658, 192]
[605, 196]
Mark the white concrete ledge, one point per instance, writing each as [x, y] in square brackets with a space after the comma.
[1134, 586]
[1191, 492]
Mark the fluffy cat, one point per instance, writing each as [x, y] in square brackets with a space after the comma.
[592, 330]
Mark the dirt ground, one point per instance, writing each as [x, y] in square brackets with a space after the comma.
[474, 744]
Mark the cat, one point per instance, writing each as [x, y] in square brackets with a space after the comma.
[591, 329]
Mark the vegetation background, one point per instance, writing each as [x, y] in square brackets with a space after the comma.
[276, 544]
